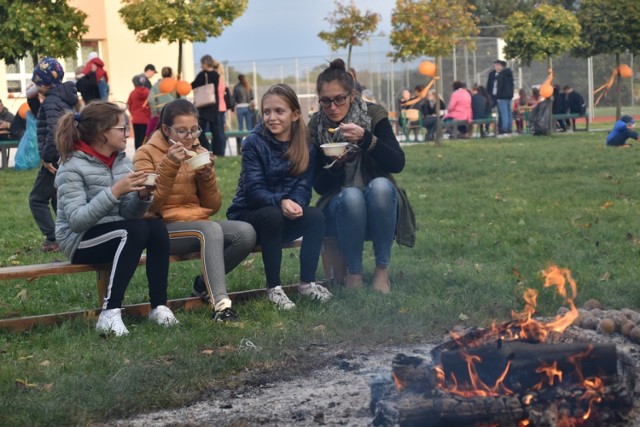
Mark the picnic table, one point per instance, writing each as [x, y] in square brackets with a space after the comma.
[6, 144]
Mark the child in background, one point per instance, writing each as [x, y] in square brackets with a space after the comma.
[622, 131]
[96, 65]
[58, 98]
[274, 191]
[138, 106]
[101, 204]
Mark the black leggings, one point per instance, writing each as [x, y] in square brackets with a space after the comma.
[273, 229]
[122, 243]
[139, 132]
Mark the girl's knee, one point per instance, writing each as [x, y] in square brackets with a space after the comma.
[351, 199]
[381, 185]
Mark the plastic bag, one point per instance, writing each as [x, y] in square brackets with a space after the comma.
[27, 156]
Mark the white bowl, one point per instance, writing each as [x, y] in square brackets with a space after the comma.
[151, 180]
[199, 161]
[334, 149]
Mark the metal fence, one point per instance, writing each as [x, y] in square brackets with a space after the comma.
[387, 79]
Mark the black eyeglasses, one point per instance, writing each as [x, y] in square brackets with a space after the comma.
[338, 100]
[124, 128]
[182, 133]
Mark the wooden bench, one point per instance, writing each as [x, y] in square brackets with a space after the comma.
[237, 134]
[573, 117]
[34, 271]
[479, 123]
[5, 146]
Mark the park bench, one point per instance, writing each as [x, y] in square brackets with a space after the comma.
[34, 271]
[573, 117]
[237, 134]
[5, 146]
[477, 124]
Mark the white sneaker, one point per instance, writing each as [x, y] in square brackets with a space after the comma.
[110, 322]
[315, 291]
[163, 315]
[278, 297]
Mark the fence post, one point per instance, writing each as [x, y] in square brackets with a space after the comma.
[592, 110]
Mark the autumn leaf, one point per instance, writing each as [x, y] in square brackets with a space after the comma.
[516, 272]
[605, 277]
[24, 384]
[22, 295]
[607, 204]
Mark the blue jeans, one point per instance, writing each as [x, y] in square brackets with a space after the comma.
[244, 117]
[506, 115]
[353, 215]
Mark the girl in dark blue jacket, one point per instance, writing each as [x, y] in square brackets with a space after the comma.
[274, 191]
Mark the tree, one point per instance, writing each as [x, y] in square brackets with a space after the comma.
[431, 28]
[180, 21]
[609, 27]
[39, 28]
[493, 14]
[350, 27]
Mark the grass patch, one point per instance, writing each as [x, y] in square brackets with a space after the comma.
[485, 208]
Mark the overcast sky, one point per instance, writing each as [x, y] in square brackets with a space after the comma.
[271, 29]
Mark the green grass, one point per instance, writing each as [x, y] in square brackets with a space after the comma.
[484, 208]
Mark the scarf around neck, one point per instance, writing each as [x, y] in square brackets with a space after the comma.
[357, 114]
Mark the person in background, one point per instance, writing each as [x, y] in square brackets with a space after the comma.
[520, 105]
[101, 204]
[559, 106]
[573, 103]
[186, 199]
[96, 65]
[87, 85]
[429, 118]
[149, 72]
[138, 106]
[503, 91]
[358, 195]
[243, 97]
[622, 130]
[219, 144]
[6, 117]
[58, 98]
[274, 191]
[208, 118]
[158, 99]
[481, 106]
[536, 98]
[358, 87]
[368, 96]
[459, 108]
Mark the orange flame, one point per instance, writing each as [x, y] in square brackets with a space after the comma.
[399, 384]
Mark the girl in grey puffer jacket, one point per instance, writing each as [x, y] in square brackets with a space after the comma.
[100, 207]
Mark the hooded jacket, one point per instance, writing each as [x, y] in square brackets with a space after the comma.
[58, 100]
[265, 179]
[138, 105]
[180, 195]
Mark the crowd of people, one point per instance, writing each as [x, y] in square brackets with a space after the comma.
[109, 208]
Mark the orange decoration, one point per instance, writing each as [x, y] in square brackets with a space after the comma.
[168, 84]
[546, 90]
[22, 111]
[183, 87]
[428, 68]
[625, 71]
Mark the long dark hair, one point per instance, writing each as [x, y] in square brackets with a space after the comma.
[336, 71]
[242, 79]
[173, 109]
[298, 152]
[89, 126]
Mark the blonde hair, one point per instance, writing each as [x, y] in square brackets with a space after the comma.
[89, 126]
[298, 152]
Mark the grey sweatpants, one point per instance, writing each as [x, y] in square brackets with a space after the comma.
[222, 246]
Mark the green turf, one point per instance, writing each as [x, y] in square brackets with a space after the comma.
[485, 208]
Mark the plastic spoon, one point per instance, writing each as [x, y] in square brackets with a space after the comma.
[189, 152]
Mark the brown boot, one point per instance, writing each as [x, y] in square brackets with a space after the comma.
[353, 281]
[381, 280]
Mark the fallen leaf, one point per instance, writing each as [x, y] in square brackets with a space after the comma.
[607, 204]
[47, 387]
[45, 363]
[605, 277]
[499, 197]
[207, 352]
[320, 327]
[516, 272]
[477, 267]
[248, 263]
[463, 317]
[22, 295]
[25, 384]
[25, 357]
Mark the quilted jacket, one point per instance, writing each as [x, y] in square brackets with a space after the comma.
[58, 100]
[85, 198]
[179, 194]
[265, 179]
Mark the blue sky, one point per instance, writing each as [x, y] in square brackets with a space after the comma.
[282, 29]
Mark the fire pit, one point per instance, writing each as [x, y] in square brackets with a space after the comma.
[524, 372]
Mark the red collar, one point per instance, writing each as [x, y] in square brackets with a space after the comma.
[86, 148]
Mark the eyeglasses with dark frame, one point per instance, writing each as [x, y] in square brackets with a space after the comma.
[182, 133]
[123, 128]
[338, 101]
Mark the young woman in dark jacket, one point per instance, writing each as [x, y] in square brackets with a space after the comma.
[274, 191]
[208, 118]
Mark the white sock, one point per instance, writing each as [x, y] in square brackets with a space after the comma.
[223, 304]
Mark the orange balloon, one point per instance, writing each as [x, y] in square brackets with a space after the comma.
[546, 90]
[625, 71]
[183, 88]
[427, 68]
[168, 84]
[22, 111]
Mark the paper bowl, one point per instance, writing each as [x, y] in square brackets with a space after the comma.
[151, 180]
[334, 149]
[199, 161]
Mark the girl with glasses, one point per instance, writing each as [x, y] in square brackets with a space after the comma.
[274, 191]
[359, 197]
[100, 208]
[187, 198]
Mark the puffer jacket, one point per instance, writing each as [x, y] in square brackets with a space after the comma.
[57, 101]
[265, 179]
[138, 105]
[179, 194]
[85, 198]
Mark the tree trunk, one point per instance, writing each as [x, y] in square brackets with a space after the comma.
[618, 102]
[349, 57]
[438, 138]
[179, 60]
[34, 58]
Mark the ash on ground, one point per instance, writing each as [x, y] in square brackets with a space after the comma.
[338, 394]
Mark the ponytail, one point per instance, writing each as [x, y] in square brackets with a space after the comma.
[67, 135]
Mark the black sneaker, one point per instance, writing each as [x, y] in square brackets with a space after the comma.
[228, 315]
[200, 289]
